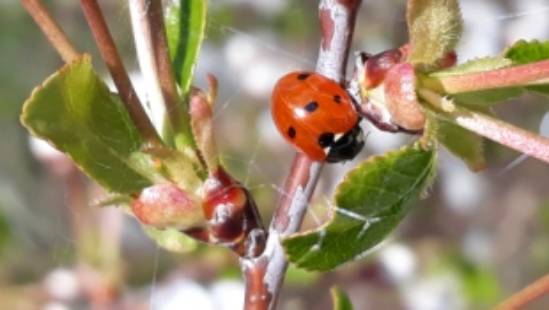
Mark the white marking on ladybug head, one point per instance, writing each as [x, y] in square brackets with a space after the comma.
[360, 136]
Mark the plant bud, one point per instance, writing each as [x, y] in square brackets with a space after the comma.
[232, 214]
[167, 205]
[377, 66]
[401, 99]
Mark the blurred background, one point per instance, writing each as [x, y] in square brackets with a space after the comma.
[474, 240]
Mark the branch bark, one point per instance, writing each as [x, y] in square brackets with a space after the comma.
[114, 63]
[264, 275]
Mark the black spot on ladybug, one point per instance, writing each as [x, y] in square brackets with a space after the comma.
[291, 132]
[337, 99]
[326, 139]
[303, 76]
[311, 106]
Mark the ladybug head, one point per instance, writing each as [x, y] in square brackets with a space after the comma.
[344, 147]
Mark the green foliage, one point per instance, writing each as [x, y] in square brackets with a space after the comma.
[480, 285]
[475, 65]
[5, 233]
[301, 277]
[185, 25]
[434, 28]
[487, 98]
[524, 52]
[462, 143]
[370, 202]
[75, 111]
[340, 299]
[171, 239]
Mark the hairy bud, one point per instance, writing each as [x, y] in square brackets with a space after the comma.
[401, 99]
[167, 205]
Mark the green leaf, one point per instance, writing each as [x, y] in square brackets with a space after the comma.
[5, 233]
[524, 52]
[115, 200]
[542, 89]
[171, 239]
[487, 98]
[475, 65]
[75, 111]
[370, 202]
[340, 299]
[462, 143]
[434, 28]
[185, 25]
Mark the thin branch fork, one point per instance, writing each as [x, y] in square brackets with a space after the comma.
[264, 275]
[51, 29]
[112, 59]
[154, 59]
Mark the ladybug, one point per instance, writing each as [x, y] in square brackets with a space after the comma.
[316, 115]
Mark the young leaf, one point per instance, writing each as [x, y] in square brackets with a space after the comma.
[434, 28]
[369, 204]
[185, 25]
[171, 239]
[5, 233]
[340, 300]
[487, 98]
[462, 143]
[475, 65]
[523, 52]
[75, 111]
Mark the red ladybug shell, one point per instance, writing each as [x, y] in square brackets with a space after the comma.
[309, 108]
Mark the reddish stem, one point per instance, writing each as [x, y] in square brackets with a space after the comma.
[496, 130]
[112, 59]
[264, 275]
[51, 29]
[530, 293]
[514, 76]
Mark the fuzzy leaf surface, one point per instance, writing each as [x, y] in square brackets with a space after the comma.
[369, 203]
[524, 52]
[434, 28]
